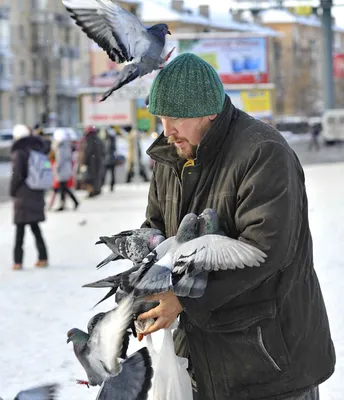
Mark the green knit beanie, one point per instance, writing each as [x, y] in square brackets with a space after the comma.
[188, 87]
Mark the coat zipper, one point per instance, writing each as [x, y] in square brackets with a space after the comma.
[263, 348]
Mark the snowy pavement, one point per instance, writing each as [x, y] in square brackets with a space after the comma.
[38, 307]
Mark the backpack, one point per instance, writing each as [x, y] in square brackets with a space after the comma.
[40, 173]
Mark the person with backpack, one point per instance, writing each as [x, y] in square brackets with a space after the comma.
[63, 166]
[31, 175]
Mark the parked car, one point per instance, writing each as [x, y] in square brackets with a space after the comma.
[6, 140]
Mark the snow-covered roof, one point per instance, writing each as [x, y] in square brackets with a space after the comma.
[154, 13]
[286, 17]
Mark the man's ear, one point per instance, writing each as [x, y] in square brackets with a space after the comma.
[212, 117]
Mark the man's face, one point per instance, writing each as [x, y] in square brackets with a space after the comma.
[186, 133]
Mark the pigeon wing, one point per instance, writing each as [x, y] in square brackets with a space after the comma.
[94, 24]
[134, 380]
[105, 343]
[47, 392]
[216, 252]
[129, 32]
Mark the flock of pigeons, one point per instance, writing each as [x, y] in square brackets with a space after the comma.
[180, 263]
[122, 35]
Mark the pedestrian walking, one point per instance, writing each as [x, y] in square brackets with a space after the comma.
[110, 156]
[63, 167]
[28, 203]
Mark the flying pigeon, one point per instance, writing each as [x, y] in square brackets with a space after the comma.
[134, 244]
[191, 255]
[46, 392]
[122, 36]
[99, 351]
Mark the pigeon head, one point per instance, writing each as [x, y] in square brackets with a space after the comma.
[159, 30]
[208, 222]
[188, 228]
[76, 336]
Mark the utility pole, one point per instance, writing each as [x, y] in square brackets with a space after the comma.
[327, 52]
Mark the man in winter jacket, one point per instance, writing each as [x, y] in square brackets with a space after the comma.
[28, 203]
[256, 333]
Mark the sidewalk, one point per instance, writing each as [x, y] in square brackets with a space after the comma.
[40, 306]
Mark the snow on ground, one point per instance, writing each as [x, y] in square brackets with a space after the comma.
[38, 307]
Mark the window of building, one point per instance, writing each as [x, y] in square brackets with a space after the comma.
[21, 33]
[34, 69]
[5, 32]
[22, 70]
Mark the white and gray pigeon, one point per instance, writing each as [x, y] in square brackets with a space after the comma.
[46, 392]
[99, 351]
[192, 256]
[123, 37]
[133, 244]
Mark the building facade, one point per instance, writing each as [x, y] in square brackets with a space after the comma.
[299, 63]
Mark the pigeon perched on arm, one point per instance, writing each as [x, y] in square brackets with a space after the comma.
[46, 392]
[98, 353]
[133, 244]
[122, 36]
[211, 251]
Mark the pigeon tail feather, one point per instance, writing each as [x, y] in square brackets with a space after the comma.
[129, 73]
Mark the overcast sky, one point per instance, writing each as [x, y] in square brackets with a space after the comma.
[223, 7]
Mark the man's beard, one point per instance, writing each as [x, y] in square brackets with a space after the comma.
[184, 154]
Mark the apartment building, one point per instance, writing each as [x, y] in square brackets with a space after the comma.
[298, 55]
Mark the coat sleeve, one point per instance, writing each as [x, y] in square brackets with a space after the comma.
[154, 217]
[19, 171]
[268, 215]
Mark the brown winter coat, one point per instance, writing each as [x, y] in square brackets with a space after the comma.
[257, 333]
[28, 203]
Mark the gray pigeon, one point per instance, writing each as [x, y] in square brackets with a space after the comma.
[122, 36]
[46, 392]
[133, 244]
[154, 276]
[121, 287]
[194, 256]
[98, 353]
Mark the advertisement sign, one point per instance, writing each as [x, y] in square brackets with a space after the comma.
[144, 120]
[108, 112]
[338, 65]
[256, 102]
[238, 60]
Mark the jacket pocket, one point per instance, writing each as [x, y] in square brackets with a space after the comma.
[249, 344]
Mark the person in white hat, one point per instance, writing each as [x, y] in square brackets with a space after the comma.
[28, 203]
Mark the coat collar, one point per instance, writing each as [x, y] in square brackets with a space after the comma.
[165, 153]
[28, 142]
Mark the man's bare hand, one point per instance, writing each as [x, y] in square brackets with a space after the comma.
[166, 312]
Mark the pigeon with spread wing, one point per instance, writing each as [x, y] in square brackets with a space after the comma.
[123, 37]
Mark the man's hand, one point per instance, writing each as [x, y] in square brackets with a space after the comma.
[166, 312]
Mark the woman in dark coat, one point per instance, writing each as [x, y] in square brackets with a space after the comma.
[110, 156]
[28, 203]
[92, 160]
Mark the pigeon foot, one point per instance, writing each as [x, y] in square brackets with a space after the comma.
[80, 382]
[169, 54]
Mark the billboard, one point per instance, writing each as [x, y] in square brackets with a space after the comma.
[108, 112]
[237, 60]
[256, 102]
[338, 65]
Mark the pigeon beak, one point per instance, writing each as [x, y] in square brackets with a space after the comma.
[169, 32]
[68, 340]
[200, 216]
